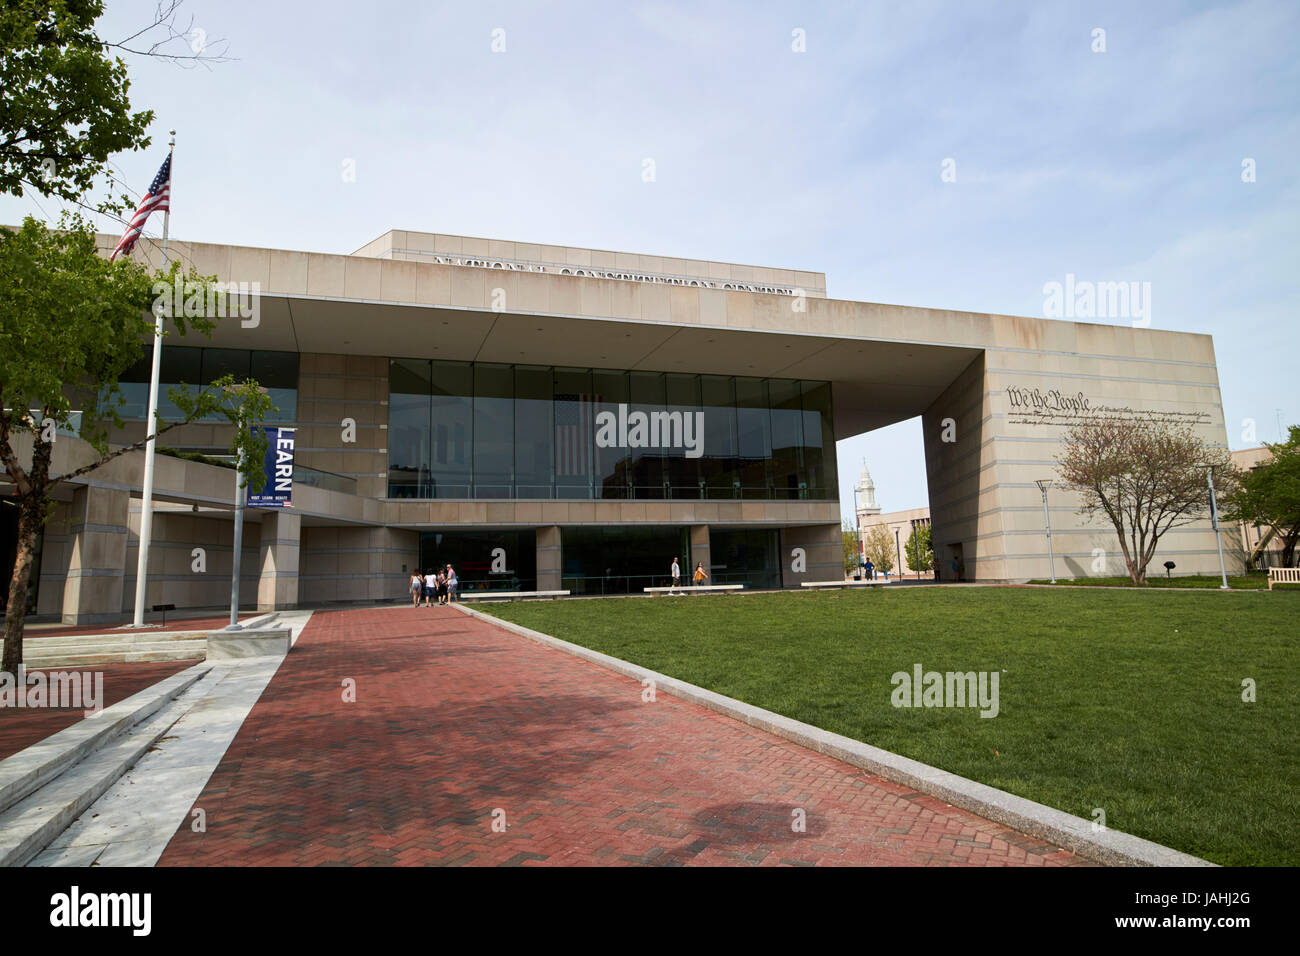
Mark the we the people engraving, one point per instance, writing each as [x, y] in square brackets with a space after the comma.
[1033, 406]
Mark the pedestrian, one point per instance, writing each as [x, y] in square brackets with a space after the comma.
[453, 583]
[677, 577]
[417, 588]
[956, 568]
[430, 587]
[442, 588]
[871, 570]
[700, 575]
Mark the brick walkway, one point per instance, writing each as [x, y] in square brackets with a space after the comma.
[22, 727]
[456, 720]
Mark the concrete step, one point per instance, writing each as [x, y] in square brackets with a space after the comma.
[89, 656]
[115, 637]
[30, 824]
[29, 769]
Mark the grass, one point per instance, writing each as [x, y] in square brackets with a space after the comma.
[1128, 702]
[1251, 582]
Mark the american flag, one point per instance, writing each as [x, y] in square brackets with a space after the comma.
[575, 434]
[158, 197]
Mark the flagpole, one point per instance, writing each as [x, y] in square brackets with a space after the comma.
[146, 497]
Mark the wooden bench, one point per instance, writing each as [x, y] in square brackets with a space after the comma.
[695, 589]
[508, 595]
[1283, 576]
[842, 584]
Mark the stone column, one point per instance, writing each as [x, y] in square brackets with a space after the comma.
[549, 559]
[700, 553]
[277, 586]
[92, 593]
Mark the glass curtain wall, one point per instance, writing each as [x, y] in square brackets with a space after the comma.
[477, 430]
[277, 372]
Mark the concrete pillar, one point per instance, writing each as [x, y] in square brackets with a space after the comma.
[92, 593]
[549, 559]
[277, 586]
[700, 553]
[822, 554]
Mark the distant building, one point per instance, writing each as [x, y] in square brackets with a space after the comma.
[903, 522]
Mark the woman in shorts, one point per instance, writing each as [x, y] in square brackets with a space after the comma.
[417, 588]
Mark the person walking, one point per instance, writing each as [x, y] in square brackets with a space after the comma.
[442, 588]
[453, 583]
[700, 575]
[677, 577]
[430, 587]
[417, 588]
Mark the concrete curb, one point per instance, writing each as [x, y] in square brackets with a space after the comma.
[1072, 833]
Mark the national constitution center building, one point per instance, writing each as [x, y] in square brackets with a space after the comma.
[549, 417]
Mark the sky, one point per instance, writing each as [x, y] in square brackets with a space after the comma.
[939, 154]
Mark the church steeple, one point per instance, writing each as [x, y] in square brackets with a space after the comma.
[867, 493]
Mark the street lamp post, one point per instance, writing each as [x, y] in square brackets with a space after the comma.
[857, 531]
[898, 550]
[1043, 485]
[1214, 522]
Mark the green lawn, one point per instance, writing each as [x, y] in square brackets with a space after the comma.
[1131, 702]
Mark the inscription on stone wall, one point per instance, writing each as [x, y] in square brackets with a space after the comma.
[1034, 406]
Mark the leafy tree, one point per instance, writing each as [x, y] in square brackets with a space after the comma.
[1270, 495]
[71, 324]
[919, 550]
[1146, 477]
[878, 545]
[849, 538]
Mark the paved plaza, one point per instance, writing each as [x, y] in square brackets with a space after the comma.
[459, 727]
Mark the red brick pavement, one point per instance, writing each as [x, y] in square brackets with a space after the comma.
[456, 719]
[22, 727]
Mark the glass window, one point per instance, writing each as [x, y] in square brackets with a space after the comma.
[533, 432]
[483, 560]
[820, 471]
[409, 388]
[575, 432]
[471, 430]
[622, 559]
[494, 431]
[613, 464]
[719, 467]
[649, 480]
[220, 362]
[754, 431]
[787, 438]
[684, 443]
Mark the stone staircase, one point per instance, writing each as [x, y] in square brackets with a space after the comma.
[48, 785]
[114, 647]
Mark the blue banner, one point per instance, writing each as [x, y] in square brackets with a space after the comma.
[278, 490]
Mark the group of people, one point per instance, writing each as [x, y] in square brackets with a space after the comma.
[699, 576]
[434, 586]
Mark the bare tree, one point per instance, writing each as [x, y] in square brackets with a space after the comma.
[1145, 476]
[165, 38]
